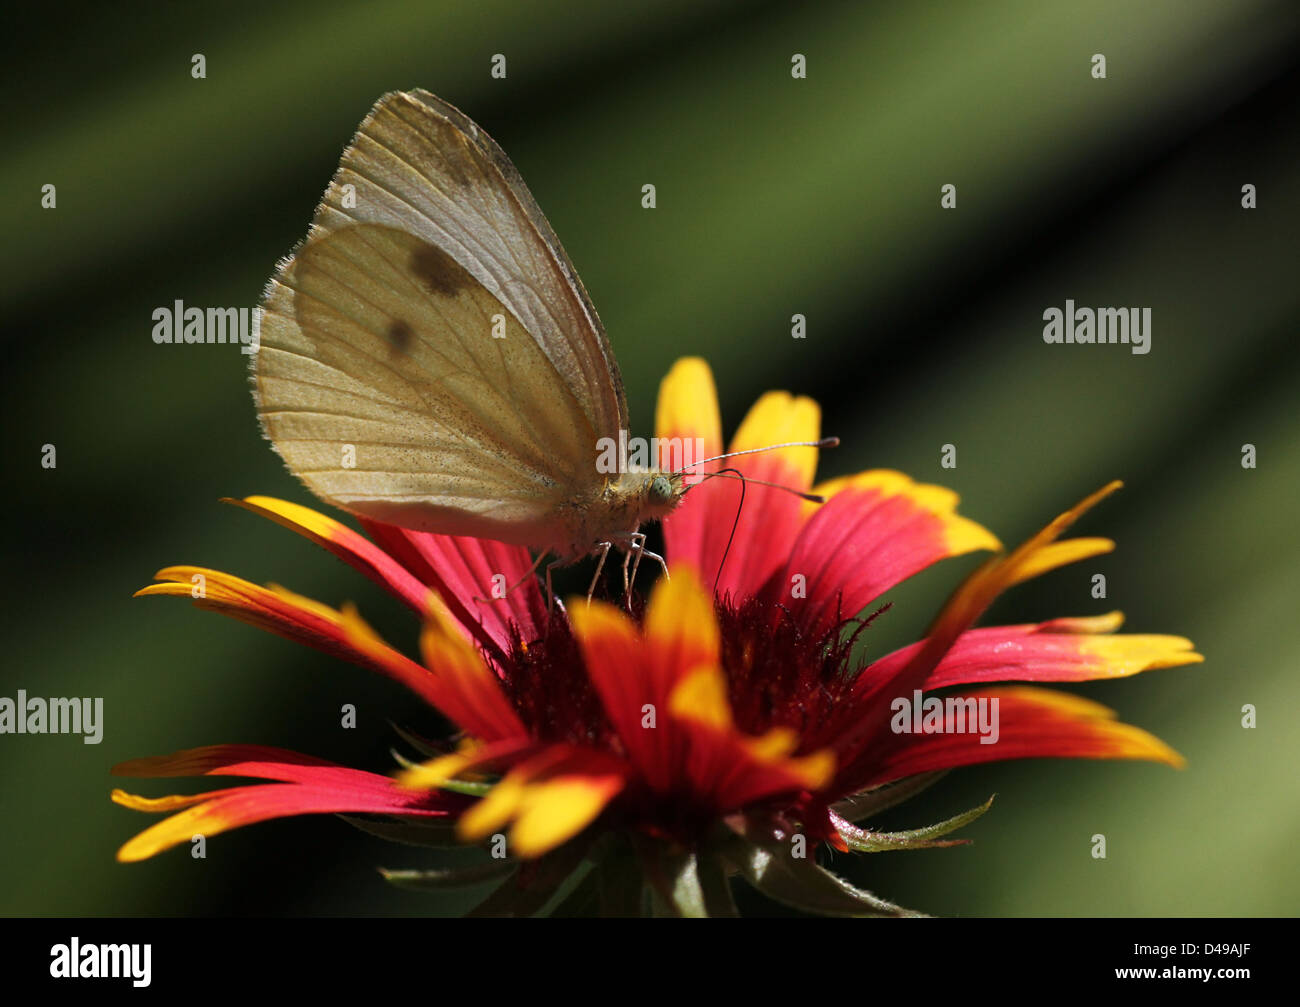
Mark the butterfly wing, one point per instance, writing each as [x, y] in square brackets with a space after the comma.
[432, 323]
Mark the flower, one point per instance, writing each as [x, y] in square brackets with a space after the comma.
[713, 732]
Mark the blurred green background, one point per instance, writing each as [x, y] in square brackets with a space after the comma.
[775, 196]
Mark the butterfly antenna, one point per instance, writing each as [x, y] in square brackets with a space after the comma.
[735, 473]
[825, 442]
[734, 525]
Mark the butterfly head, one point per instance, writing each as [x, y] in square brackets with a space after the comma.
[656, 493]
[635, 498]
[660, 491]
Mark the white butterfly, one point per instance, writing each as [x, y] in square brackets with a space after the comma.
[430, 359]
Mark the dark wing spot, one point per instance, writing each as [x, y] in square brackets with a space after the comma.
[438, 271]
[400, 335]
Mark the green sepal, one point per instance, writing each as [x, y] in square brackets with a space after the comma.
[691, 884]
[583, 900]
[422, 745]
[530, 888]
[801, 884]
[877, 799]
[714, 873]
[866, 841]
[620, 880]
[451, 877]
[471, 788]
[611, 887]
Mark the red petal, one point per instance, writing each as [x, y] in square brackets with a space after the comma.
[341, 633]
[1033, 653]
[232, 760]
[866, 539]
[628, 680]
[346, 544]
[461, 569]
[1031, 723]
[860, 722]
[318, 787]
[770, 519]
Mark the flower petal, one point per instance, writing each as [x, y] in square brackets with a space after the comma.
[1034, 653]
[435, 772]
[866, 718]
[1032, 723]
[632, 682]
[550, 797]
[732, 768]
[687, 412]
[408, 564]
[260, 761]
[354, 549]
[681, 629]
[876, 529]
[290, 615]
[239, 806]
[780, 418]
[342, 633]
[317, 787]
[473, 696]
[1057, 554]
[558, 809]
[486, 584]
[770, 518]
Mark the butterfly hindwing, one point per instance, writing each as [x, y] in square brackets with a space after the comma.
[395, 394]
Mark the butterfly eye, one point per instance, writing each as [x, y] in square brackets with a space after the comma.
[660, 490]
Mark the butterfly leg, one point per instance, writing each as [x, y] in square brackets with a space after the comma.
[627, 583]
[627, 580]
[636, 543]
[636, 546]
[550, 591]
[603, 548]
[663, 564]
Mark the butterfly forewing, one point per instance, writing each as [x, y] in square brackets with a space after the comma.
[432, 322]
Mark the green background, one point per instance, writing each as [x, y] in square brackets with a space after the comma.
[775, 196]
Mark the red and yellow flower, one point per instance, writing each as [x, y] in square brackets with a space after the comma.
[710, 733]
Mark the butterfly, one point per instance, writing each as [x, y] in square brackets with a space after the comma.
[430, 359]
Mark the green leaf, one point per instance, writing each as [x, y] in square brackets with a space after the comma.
[877, 799]
[865, 841]
[451, 877]
[802, 884]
